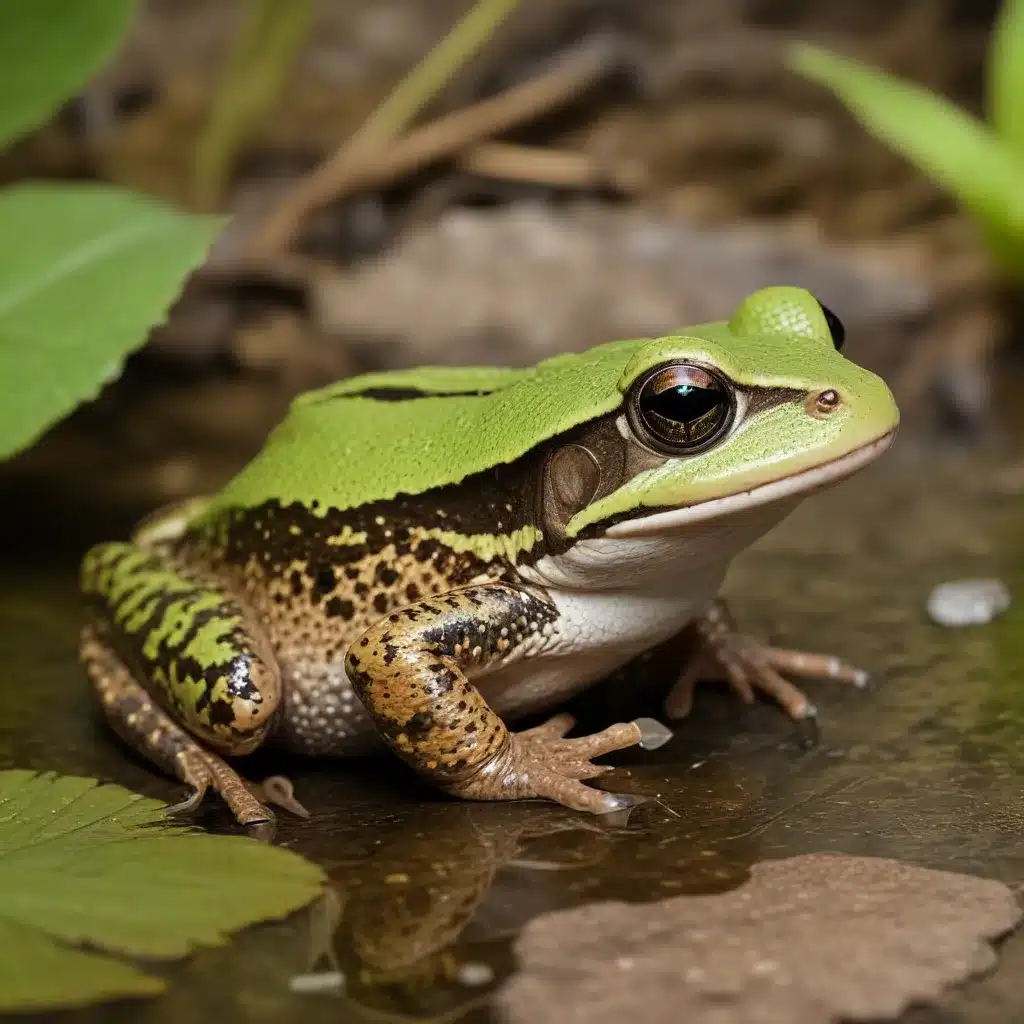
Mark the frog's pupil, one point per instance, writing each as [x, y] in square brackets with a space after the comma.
[685, 403]
[685, 413]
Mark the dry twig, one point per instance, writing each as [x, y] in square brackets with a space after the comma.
[411, 95]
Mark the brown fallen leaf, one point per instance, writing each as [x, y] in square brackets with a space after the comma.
[808, 940]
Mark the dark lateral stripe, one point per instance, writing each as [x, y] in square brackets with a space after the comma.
[762, 399]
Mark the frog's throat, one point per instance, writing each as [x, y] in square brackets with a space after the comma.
[800, 484]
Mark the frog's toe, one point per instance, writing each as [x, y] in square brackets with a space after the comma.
[749, 664]
[554, 767]
[547, 742]
[278, 790]
[189, 806]
[202, 773]
[805, 665]
[552, 785]
[554, 728]
[208, 771]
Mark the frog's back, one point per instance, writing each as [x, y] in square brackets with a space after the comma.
[371, 438]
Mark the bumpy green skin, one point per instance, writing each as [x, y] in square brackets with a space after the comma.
[391, 513]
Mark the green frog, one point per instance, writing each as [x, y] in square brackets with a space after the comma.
[420, 557]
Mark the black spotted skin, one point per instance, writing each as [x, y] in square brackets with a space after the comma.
[410, 672]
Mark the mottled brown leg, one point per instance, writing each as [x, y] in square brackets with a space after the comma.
[410, 671]
[747, 664]
[141, 723]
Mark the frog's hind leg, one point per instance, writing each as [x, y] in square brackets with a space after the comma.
[145, 727]
[197, 661]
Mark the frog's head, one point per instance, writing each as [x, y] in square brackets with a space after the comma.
[722, 419]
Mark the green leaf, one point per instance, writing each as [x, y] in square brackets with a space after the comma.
[82, 863]
[1006, 76]
[44, 974]
[959, 152]
[85, 271]
[48, 50]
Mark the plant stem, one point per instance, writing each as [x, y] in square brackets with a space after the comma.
[263, 54]
[409, 97]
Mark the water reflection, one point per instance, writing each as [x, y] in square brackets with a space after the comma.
[445, 885]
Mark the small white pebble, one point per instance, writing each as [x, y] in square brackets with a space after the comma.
[968, 602]
[475, 974]
[310, 984]
[625, 963]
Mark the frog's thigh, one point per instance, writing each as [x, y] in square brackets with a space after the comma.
[136, 718]
[195, 648]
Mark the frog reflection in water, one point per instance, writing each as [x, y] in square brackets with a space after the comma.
[442, 883]
[418, 557]
[401, 910]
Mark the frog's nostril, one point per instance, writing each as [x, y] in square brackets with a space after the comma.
[824, 403]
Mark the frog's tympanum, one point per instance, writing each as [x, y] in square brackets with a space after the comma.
[418, 557]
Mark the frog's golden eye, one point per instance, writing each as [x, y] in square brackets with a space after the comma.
[680, 408]
[835, 326]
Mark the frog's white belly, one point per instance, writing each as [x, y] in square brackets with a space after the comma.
[618, 597]
[594, 636]
[601, 627]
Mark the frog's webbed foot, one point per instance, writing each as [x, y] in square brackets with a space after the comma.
[748, 664]
[543, 763]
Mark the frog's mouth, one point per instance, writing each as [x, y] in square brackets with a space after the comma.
[797, 486]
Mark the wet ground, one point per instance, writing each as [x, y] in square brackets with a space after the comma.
[427, 894]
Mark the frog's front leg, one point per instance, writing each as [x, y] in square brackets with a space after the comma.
[716, 648]
[205, 674]
[411, 671]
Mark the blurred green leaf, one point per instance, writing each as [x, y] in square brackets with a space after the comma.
[82, 863]
[48, 50]
[956, 150]
[85, 271]
[1006, 76]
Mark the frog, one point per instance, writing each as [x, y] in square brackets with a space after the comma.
[421, 559]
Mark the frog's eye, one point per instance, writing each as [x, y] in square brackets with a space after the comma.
[680, 408]
[835, 327]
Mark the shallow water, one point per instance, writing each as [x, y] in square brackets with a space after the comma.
[924, 766]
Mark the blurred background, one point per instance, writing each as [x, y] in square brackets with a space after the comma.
[598, 169]
[433, 181]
